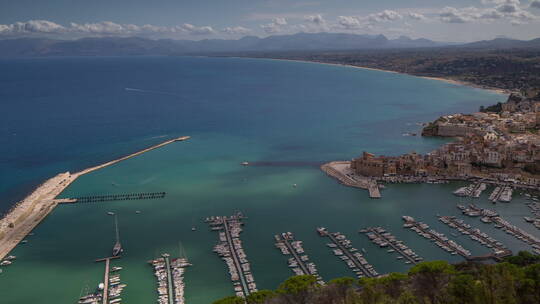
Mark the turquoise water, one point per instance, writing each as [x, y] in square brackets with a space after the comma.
[288, 116]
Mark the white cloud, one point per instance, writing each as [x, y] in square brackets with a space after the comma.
[386, 15]
[504, 9]
[416, 16]
[275, 26]
[31, 26]
[104, 28]
[349, 22]
[197, 30]
[236, 30]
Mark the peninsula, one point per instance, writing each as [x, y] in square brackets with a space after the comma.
[499, 144]
[29, 212]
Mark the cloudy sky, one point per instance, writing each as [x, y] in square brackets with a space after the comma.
[442, 20]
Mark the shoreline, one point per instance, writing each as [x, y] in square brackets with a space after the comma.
[447, 80]
[26, 214]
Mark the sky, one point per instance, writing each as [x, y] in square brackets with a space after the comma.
[440, 20]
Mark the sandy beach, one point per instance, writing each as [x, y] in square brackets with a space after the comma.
[447, 80]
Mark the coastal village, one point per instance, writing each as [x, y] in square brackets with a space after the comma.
[499, 145]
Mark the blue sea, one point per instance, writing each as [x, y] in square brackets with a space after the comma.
[66, 114]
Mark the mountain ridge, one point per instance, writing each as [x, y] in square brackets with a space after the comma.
[129, 46]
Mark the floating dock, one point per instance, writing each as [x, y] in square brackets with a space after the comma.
[230, 250]
[342, 247]
[499, 250]
[381, 237]
[440, 239]
[299, 263]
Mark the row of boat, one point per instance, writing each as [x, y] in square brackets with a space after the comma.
[383, 238]
[230, 249]
[501, 194]
[438, 238]
[299, 263]
[165, 271]
[472, 190]
[114, 292]
[342, 247]
[476, 235]
[535, 210]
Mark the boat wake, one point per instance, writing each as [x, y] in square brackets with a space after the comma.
[151, 92]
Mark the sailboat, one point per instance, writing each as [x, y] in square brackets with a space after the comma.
[117, 248]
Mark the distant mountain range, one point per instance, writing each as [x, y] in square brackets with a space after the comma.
[24, 47]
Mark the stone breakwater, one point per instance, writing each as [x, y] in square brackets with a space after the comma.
[29, 212]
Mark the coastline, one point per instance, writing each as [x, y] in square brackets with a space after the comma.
[25, 215]
[447, 80]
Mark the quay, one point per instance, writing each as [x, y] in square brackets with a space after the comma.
[341, 171]
[28, 213]
[381, 237]
[342, 247]
[440, 239]
[106, 281]
[499, 250]
[230, 250]
[299, 264]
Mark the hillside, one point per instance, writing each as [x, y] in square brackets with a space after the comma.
[516, 281]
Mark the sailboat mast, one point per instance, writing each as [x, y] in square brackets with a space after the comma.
[116, 228]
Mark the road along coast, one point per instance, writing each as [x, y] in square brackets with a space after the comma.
[29, 212]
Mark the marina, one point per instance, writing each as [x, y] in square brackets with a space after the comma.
[230, 249]
[299, 263]
[383, 238]
[170, 278]
[438, 238]
[499, 250]
[342, 247]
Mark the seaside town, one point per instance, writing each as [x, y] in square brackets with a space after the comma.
[499, 144]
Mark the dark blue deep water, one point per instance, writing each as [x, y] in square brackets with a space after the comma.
[62, 114]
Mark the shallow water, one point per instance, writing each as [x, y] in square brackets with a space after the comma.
[286, 116]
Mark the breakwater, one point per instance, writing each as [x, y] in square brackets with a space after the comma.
[29, 212]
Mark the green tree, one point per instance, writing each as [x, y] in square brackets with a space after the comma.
[429, 278]
[230, 300]
[260, 296]
[297, 289]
